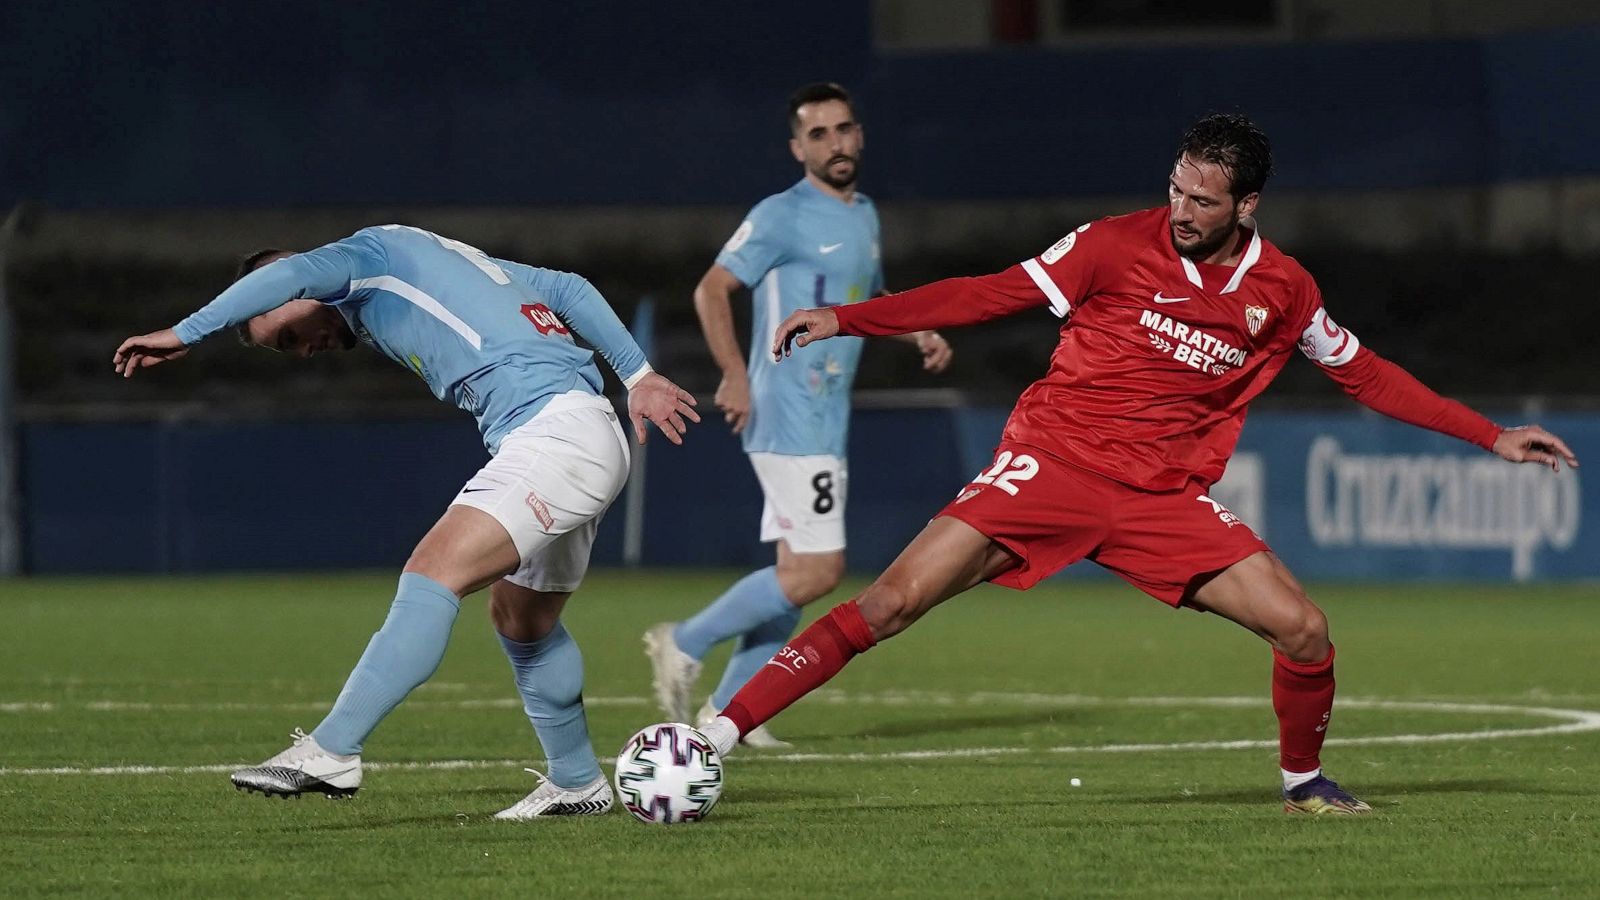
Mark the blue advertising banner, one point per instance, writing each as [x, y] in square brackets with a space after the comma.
[1337, 495]
[1356, 495]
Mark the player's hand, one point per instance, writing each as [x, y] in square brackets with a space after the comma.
[733, 398]
[1530, 443]
[804, 326]
[935, 350]
[146, 350]
[662, 402]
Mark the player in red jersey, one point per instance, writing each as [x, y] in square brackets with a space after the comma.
[1176, 318]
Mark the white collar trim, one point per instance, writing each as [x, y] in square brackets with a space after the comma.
[1252, 254]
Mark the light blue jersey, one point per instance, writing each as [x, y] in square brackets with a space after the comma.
[797, 250]
[488, 335]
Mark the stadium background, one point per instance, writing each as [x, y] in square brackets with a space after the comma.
[1438, 172]
[1435, 172]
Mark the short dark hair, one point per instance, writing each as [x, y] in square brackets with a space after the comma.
[1236, 144]
[256, 260]
[817, 92]
[247, 265]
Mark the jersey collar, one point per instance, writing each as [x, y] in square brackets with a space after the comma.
[816, 193]
[1252, 254]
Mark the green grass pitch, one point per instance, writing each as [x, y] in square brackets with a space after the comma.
[944, 756]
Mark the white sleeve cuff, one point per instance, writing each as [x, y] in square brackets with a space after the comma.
[637, 377]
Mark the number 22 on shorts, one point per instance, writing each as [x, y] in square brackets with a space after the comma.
[1008, 469]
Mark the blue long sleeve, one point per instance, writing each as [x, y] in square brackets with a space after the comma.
[581, 306]
[321, 274]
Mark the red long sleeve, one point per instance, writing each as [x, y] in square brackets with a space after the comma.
[943, 304]
[1381, 385]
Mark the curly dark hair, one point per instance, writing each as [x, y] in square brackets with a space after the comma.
[1236, 144]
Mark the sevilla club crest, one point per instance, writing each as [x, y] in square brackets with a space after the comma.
[1254, 318]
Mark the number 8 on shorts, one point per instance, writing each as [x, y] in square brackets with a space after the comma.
[804, 500]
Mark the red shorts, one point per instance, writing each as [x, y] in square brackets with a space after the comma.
[1051, 514]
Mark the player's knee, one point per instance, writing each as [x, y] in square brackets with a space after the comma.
[812, 579]
[524, 615]
[889, 608]
[1305, 637]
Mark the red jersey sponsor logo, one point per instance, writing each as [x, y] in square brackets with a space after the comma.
[544, 318]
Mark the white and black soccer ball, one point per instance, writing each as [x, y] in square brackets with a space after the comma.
[669, 773]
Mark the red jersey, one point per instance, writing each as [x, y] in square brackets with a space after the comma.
[1159, 355]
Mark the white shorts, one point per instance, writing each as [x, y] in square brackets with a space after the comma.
[804, 500]
[549, 484]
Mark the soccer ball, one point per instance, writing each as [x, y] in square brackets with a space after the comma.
[669, 773]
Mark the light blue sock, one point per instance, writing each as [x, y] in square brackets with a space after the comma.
[755, 647]
[403, 654]
[752, 600]
[549, 675]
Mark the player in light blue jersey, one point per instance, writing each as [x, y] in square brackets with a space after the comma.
[496, 339]
[815, 244]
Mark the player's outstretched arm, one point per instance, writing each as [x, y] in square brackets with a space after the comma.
[145, 350]
[803, 327]
[942, 304]
[314, 275]
[1384, 387]
[1532, 444]
[657, 399]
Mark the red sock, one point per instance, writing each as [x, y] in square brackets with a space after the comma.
[1302, 696]
[814, 656]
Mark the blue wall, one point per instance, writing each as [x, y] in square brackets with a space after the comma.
[228, 104]
[1337, 495]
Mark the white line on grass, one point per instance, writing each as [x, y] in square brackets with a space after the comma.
[1576, 721]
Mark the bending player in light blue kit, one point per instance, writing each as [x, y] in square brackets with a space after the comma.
[815, 244]
[494, 338]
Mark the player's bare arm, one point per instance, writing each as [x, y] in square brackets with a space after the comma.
[657, 399]
[713, 303]
[1532, 444]
[146, 350]
[803, 327]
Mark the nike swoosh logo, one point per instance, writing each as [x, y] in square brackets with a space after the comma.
[474, 490]
[1161, 299]
[829, 248]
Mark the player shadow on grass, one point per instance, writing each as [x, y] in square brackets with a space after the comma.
[1386, 792]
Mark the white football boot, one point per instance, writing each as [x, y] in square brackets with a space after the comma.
[673, 672]
[550, 799]
[759, 737]
[304, 768]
